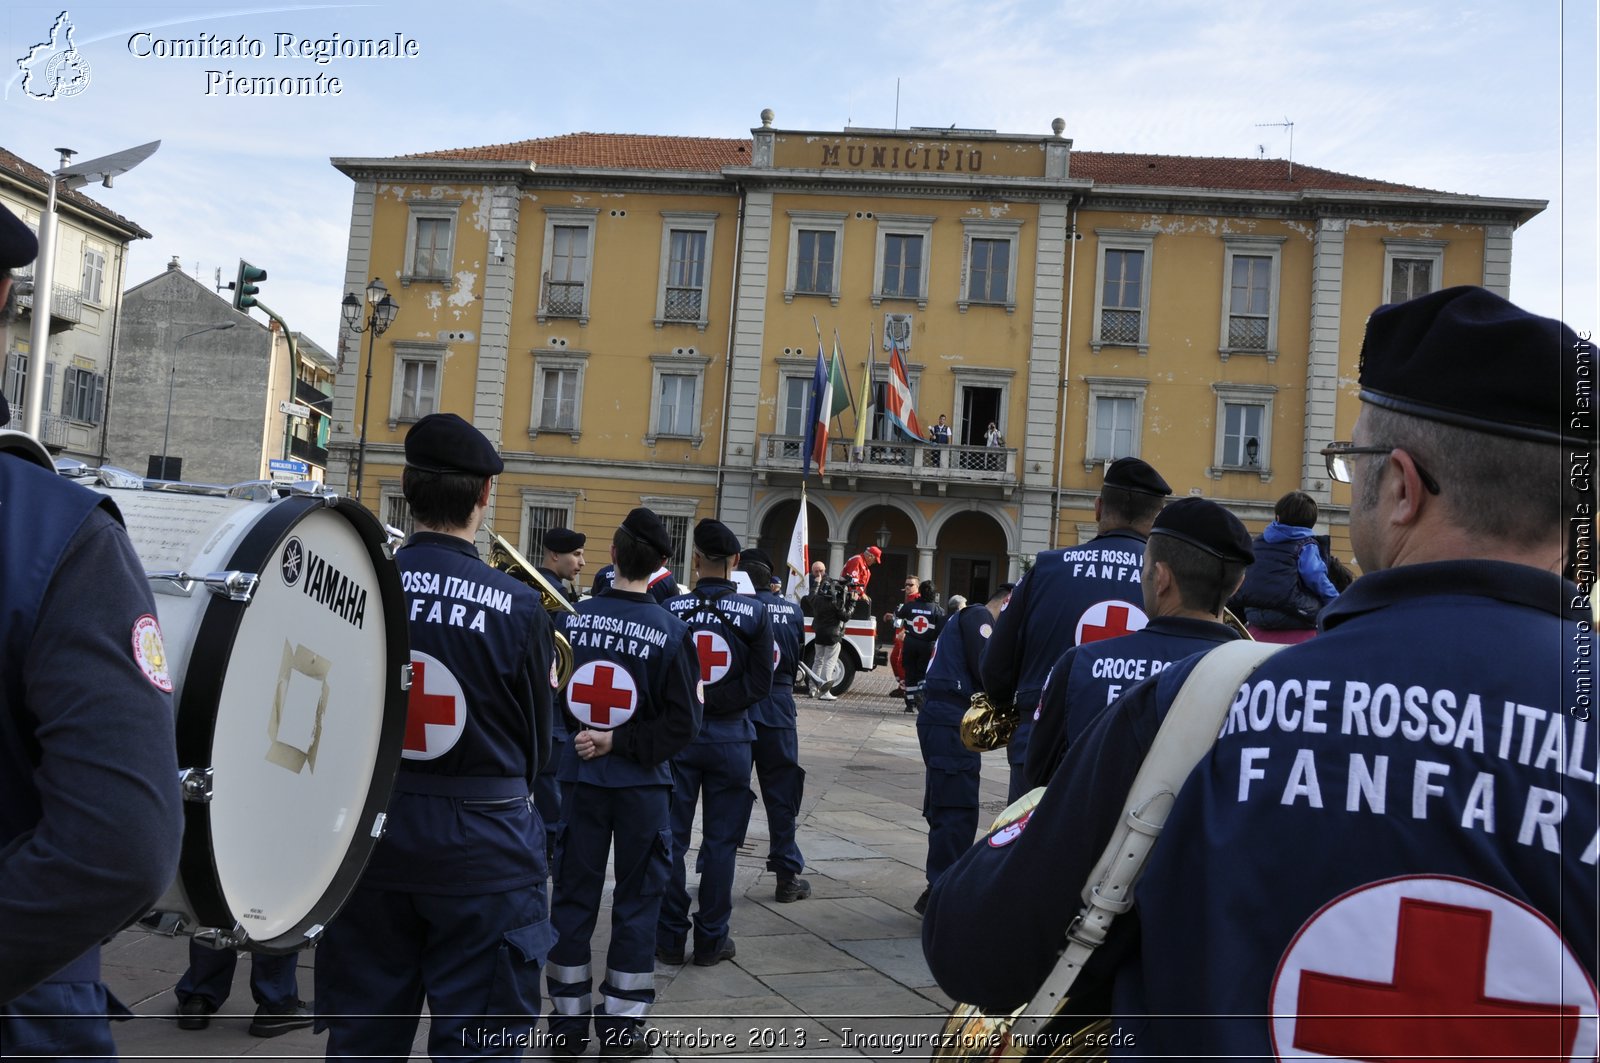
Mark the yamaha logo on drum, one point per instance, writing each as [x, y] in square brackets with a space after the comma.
[326, 584]
[293, 561]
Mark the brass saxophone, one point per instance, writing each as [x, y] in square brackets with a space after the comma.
[506, 558]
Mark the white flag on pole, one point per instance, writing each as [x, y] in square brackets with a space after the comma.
[799, 552]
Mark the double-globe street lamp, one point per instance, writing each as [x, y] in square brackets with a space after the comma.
[172, 379]
[380, 315]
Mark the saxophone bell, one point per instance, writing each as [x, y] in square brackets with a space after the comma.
[506, 558]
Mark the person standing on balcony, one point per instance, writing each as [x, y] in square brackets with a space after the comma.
[939, 436]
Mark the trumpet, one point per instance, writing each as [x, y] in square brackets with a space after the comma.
[506, 558]
[987, 726]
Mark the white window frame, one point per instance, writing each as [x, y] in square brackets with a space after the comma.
[559, 359]
[1431, 251]
[572, 217]
[818, 221]
[1268, 247]
[409, 351]
[662, 365]
[986, 229]
[686, 221]
[94, 264]
[1122, 240]
[567, 501]
[436, 210]
[391, 492]
[683, 564]
[1264, 395]
[1113, 387]
[902, 225]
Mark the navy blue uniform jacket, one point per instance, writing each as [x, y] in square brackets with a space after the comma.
[1386, 804]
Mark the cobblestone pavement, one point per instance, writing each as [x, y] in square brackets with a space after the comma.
[837, 976]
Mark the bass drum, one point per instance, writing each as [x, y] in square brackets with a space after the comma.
[285, 634]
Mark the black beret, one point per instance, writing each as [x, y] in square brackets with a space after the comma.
[18, 245]
[1205, 524]
[755, 556]
[564, 540]
[443, 442]
[713, 539]
[1467, 357]
[644, 526]
[1131, 474]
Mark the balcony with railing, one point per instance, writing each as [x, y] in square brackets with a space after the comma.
[308, 452]
[917, 462]
[66, 304]
[563, 299]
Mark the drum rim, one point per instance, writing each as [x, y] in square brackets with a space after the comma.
[202, 690]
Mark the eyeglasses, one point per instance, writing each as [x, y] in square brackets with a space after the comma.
[1337, 456]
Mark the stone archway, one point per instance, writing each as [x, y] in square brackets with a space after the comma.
[776, 527]
[972, 556]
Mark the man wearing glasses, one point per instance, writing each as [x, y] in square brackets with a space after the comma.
[1391, 849]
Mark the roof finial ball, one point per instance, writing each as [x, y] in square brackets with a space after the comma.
[766, 117]
[1059, 126]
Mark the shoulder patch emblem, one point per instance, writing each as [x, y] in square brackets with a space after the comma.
[1010, 832]
[150, 653]
[986, 630]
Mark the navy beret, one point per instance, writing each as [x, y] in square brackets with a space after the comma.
[755, 556]
[443, 442]
[1466, 357]
[642, 525]
[18, 245]
[1202, 523]
[713, 539]
[1131, 474]
[564, 540]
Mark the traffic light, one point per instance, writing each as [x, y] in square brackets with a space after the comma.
[247, 286]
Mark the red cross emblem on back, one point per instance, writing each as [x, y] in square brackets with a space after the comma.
[602, 694]
[715, 658]
[1437, 996]
[1109, 620]
[920, 624]
[435, 709]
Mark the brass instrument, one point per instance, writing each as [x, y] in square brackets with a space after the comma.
[506, 558]
[1234, 621]
[987, 726]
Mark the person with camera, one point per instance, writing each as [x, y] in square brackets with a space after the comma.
[827, 626]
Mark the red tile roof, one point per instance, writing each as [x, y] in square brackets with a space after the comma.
[622, 151]
[38, 179]
[627, 151]
[1187, 171]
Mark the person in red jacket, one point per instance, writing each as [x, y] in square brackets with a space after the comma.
[896, 659]
[859, 567]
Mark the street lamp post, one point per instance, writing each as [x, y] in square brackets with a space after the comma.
[172, 379]
[380, 315]
[65, 177]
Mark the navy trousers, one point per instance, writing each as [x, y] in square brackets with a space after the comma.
[782, 780]
[950, 794]
[720, 771]
[273, 979]
[474, 959]
[635, 818]
[64, 1021]
[548, 796]
[1017, 749]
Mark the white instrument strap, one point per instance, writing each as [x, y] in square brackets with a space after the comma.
[1190, 729]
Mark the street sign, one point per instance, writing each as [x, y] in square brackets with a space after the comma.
[294, 409]
[289, 467]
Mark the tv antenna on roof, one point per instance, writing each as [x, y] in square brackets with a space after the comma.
[1290, 127]
[1285, 124]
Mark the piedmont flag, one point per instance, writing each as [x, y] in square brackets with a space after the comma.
[799, 552]
[839, 382]
[816, 445]
[897, 397]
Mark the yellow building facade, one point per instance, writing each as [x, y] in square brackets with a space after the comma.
[635, 320]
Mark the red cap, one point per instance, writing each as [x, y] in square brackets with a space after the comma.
[877, 555]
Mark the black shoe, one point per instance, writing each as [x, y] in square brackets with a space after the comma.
[565, 1046]
[723, 951]
[921, 906]
[195, 1013]
[670, 954]
[792, 889]
[271, 1023]
[634, 1046]
[911, 707]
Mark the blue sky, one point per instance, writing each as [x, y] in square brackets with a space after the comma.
[1458, 96]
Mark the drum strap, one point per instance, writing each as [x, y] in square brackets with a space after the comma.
[480, 786]
[1188, 732]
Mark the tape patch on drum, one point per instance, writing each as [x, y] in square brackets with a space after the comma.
[150, 653]
[295, 727]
